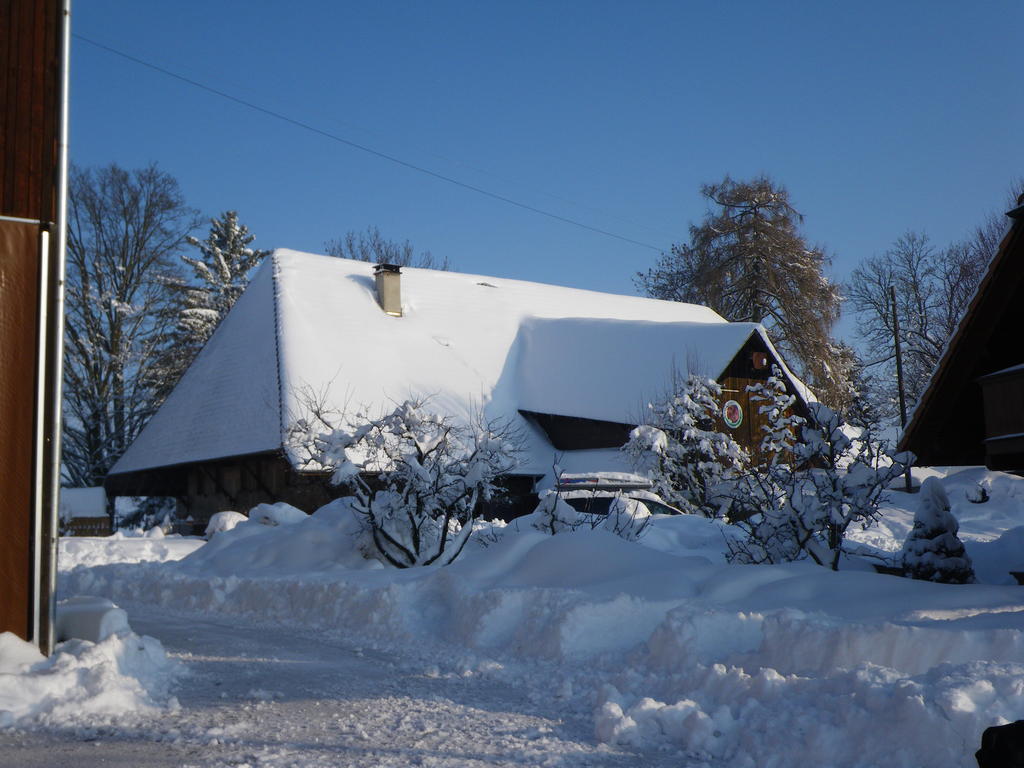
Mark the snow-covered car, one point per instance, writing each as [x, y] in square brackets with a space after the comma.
[592, 493]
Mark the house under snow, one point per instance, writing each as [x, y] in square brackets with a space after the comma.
[573, 370]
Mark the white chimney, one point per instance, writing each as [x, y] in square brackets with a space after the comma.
[389, 288]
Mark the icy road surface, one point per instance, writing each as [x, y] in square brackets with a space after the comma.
[257, 697]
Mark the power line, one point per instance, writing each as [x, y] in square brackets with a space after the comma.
[356, 145]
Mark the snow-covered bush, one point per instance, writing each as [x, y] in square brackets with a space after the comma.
[845, 481]
[627, 518]
[933, 551]
[978, 494]
[223, 521]
[682, 452]
[416, 476]
[279, 513]
[804, 504]
[555, 515]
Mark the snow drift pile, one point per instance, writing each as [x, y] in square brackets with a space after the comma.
[83, 681]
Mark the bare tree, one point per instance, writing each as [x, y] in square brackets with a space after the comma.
[372, 246]
[748, 262]
[125, 230]
[934, 287]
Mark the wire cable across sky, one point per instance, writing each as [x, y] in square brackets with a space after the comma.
[362, 147]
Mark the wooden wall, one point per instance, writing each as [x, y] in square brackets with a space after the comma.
[29, 129]
[29, 93]
[741, 373]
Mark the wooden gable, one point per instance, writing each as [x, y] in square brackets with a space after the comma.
[948, 425]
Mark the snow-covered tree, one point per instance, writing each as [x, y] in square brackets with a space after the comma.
[748, 261]
[934, 285]
[806, 508]
[415, 476]
[845, 481]
[125, 231]
[220, 273]
[782, 421]
[681, 450]
[933, 551]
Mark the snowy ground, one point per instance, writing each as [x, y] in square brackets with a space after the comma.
[578, 649]
[270, 697]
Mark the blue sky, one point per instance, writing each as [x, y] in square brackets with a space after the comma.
[878, 118]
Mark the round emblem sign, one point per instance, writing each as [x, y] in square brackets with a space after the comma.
[732, 413]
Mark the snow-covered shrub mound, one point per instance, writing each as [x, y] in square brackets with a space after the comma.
[628, 518]
[554, 515]
[332, 538]
[278, 513]
[83, 681]
[933, 551]
[223, 521]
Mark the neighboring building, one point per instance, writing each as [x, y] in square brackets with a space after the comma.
[973, 409]
[33, 172]
[83, 512]
[572, 370]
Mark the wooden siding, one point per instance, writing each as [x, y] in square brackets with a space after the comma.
[1003, 399]
[29, 129]
[29, 94]
[19, 294]
[740, 374]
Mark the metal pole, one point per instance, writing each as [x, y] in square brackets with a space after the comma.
[899, 371]
[55, 346]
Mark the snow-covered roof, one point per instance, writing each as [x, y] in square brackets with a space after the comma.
[309, 323]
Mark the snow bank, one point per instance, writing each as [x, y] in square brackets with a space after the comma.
[122, 547]
[329, 540]
[83, 682]
[663, 641]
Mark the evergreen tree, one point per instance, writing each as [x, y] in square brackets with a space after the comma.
[933, 551]
[683, 452]
[219, 275]
[782, 423]
[748, 262]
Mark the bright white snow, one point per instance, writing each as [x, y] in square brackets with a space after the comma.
[661, 643]
[84, 682]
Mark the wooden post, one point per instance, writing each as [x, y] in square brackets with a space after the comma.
[899, 373]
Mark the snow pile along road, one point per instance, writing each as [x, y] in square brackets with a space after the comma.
[663, 642]
[122, 547]
[83, 682]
